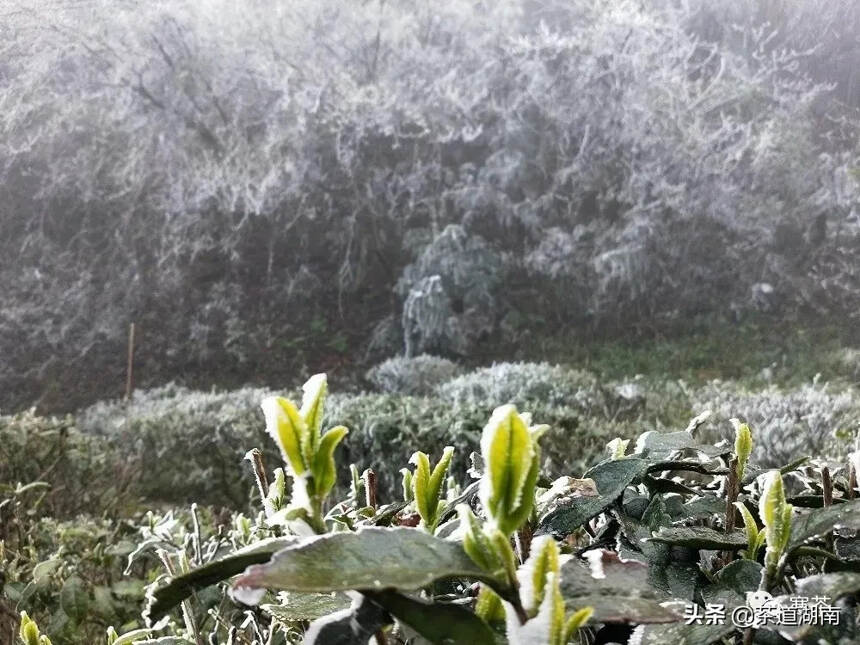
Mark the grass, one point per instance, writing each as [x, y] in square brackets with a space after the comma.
[780, 352]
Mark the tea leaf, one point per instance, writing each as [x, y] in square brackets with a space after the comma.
[436, 622]
[611, 478]
[701, 537]
[356, 624]
[820, 521]
[307, 606]
[181, 587]
[74, 599]
[324, 472]
[285, 425]
[509, 452]
[372, 558]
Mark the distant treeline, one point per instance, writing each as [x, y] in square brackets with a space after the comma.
[265, 185]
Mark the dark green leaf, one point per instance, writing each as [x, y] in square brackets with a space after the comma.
[732, 583]
[621, 609]
[811, 501]
[690, 466]
[702, 507]
[348, 626]
[832, 585]
[701, 537]
[820, 521]
[740, 575]
[611, 478]
[436, 622]
[663, 485]
[621, 593]
[372, 558]
[74, 599]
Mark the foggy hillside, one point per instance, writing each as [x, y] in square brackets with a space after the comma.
[261, 187]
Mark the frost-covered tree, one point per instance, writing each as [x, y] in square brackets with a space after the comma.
[228, 174]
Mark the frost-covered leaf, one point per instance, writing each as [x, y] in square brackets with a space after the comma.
[436, 622]
[820, 521]
[295, 605]
[178, 589]
[672, 446]
[610, 478]
[372, 558]
[619, 591]
[701, 537]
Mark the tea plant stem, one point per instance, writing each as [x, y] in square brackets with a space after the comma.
[517, 604]
[732, 491]
[827, 486]
[197, 539]
[256, 458]
[370, 487]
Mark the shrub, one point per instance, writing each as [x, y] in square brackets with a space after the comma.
[516, 559]
[525, 385]
[814, 418]
[417, 376]
[190, 444]
[73, 472]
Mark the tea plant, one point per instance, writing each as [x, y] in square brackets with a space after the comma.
[627, 552]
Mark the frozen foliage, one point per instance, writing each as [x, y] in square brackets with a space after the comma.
[524, 385]
[450, 293]
[418, 375]
[189, 443]
[226, 173]
[427, 317]
[156, 405]
[813, 419]
[848, 359]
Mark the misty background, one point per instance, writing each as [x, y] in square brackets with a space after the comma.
[272, 189]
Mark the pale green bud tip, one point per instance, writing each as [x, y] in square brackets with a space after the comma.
[617, 447]
[510, 457]
[287, 429]
[772, 500]
[28, 631]
[313, 399]
[314, 384]
[743, 442]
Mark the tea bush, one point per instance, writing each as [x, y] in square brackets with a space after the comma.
[189, 443]
[74, 472]
[646, 538]
[203, 436]
[813, 419]
[526, 384]
[415, 376]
